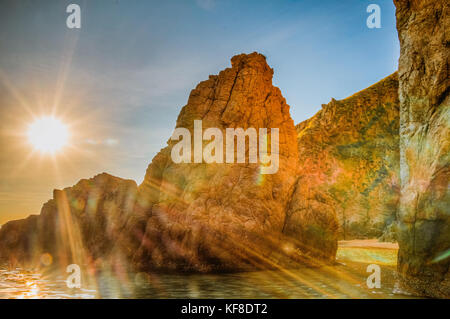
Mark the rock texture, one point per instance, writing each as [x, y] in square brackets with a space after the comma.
[424, 213]
[218, 217]
[79, 225]
[190, 216]
[349, 165]
[338, 176]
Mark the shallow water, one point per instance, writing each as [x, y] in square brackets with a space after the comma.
[346, 279]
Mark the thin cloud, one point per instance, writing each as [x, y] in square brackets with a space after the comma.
[206, 4]
[107, 142]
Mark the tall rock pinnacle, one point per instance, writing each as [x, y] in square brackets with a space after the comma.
[222, 215]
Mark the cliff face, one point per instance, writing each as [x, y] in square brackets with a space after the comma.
[191, 216]
[424, 212]
[343, 173]
[349, 163]
[224, 216]
[80, 224]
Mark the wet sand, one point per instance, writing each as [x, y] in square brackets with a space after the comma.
[367, 243]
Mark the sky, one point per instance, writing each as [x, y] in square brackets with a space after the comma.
[120, 80]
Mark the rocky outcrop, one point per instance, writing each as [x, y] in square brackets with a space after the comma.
[349, 166]
[80, 224]
[197, 216]
[338, 175]
[338, 168]
[218, 217]
[424, 212]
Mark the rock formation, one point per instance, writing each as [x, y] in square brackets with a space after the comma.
[349, 164]
[190, 216]
[214, 217]
[424, 212]
[339, 175]
[79, 225]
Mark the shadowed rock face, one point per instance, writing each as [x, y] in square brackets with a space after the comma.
[79, 225]
[224, 216]
[424, 212]
[349, 165]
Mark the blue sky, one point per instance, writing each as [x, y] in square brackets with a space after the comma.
[125, 75]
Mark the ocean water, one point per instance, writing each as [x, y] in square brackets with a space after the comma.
[346, 279]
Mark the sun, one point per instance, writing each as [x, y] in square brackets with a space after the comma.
[48, 134]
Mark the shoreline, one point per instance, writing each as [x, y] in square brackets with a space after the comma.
[367, 243]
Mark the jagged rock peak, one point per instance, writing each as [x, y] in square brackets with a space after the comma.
[223, 216]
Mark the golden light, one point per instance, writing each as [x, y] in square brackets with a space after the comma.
[48, 134]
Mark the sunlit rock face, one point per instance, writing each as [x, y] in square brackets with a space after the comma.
[349, 167]
[424, 215]
[189, 216]
[337, 176]
[80, 225]
[220, 217]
